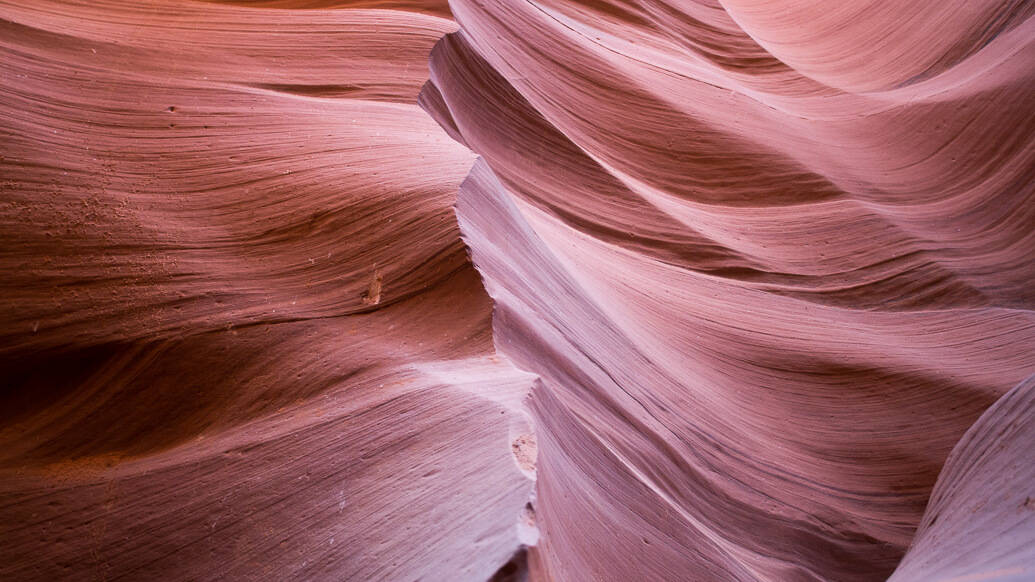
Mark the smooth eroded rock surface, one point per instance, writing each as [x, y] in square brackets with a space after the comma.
[556, 290]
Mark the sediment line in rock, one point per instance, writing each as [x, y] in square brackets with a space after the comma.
[240, 335]
[766, 294]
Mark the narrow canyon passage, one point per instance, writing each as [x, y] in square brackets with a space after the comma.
[540, 290]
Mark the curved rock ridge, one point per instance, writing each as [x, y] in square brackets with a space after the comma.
[708, 290]
[978, 524]
[770, 260]
[240, 337]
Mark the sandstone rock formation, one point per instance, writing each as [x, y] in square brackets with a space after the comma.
[557, 290]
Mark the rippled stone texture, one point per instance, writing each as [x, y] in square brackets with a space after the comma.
[746, 293]
[241, 338]
[770, 260]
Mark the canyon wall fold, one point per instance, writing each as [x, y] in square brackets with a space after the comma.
[769, 269]
[240, 336]
[556, 290]
[978, 524]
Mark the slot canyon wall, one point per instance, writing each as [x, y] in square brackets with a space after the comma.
[551, 290]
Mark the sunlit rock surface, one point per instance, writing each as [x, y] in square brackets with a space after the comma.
[737, 290]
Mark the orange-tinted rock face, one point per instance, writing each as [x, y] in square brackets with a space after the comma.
[744, 282]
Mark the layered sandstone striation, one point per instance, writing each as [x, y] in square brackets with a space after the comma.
[240, 335]
[558, 290]
[771, 260]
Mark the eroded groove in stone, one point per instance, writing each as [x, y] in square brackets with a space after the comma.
[738, 290]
